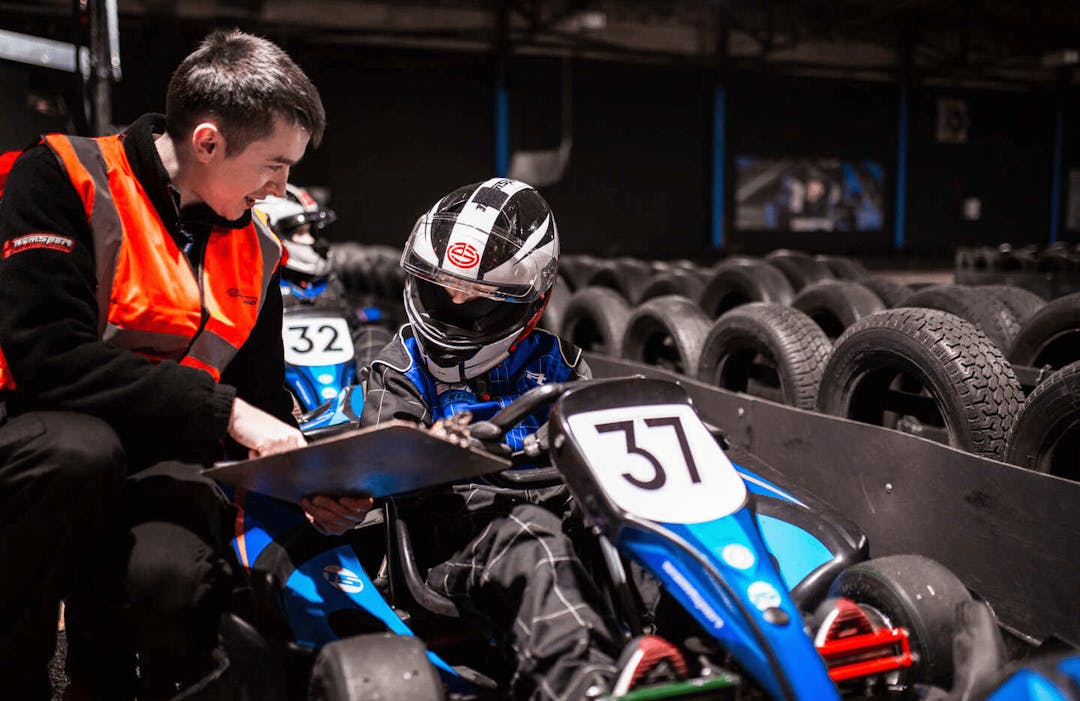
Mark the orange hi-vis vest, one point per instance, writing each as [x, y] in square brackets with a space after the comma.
[150, 300]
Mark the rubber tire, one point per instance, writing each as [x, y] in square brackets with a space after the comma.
[801, 269]
[595, 320]
[891, 292]
[1022, 303]
[1046, 434]
[350, 262]
[672, 321]
[974, 387]
[741, 281]
[835, 305]
[843, 268]
[789, 339]
[626, 276]
[684, 283]
[985, 311]
[918, 594]
[375, 667]
[577, 269]
[556, 307]
[1051, 336]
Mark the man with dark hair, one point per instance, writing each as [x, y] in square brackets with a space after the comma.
[140, 333]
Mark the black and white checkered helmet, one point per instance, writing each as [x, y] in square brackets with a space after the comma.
[481, 266]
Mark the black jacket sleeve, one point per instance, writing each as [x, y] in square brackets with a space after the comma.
[258, 370]
[389, 394]
[49, 325]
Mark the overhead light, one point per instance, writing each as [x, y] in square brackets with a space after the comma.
[1062, 57]
[586, 21]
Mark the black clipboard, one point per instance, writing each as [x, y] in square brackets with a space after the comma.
[383, 460]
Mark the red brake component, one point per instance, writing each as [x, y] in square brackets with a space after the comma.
[853, 647]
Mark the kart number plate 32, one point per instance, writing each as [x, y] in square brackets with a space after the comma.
[659, 463]
[317, 340]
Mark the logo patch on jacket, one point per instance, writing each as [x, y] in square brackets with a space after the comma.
[246, 299]
[28, 242]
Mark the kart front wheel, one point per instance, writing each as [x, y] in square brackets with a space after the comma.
[916, 593]
[376, 666]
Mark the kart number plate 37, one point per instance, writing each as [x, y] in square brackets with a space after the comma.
[320, 340]
[659, 463]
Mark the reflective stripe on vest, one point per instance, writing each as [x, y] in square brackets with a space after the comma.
[149, 298]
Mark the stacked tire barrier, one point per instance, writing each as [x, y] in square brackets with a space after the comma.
[371, 276]
[1050, 272]
[950, 363]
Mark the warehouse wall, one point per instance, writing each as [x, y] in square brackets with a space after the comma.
[637, 180]
[406, 126]
[778, 116]
[1006, 163]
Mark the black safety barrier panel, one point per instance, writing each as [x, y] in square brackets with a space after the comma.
[1011, 535]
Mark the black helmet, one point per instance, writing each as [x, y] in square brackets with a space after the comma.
[494, 244]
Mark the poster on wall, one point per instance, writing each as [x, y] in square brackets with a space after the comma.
[808, 194]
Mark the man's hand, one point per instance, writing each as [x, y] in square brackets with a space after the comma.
[260, 432]
[334, 516]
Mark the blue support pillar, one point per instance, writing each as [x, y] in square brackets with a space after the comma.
[901, 169]
[502, 125]
[719, 118]
[1055, 192]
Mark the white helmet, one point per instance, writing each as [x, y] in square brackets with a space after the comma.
[494, 244]
[286, 215]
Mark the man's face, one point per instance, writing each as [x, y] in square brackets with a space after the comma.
[230, 185]
[302, 234]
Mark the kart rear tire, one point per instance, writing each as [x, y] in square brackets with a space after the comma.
[835, 305]
[916, 593]
[741, 281]
[1046, 434]
[964, 387]
[375, 667]
[766, 350]
[1050, 336]
[667, 332]
[595, 320]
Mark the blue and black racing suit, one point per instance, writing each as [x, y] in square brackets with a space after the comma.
[503, 554]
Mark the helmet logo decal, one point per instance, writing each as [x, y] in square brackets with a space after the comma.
[463, 255]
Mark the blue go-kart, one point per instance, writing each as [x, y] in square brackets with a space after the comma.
[768, 594]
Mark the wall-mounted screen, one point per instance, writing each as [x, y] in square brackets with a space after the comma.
[808, 194]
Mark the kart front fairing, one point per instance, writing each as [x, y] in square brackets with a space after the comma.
[693, 527]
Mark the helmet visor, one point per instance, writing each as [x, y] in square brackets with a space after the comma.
[482, 260]
[457, 316]
[317, 221]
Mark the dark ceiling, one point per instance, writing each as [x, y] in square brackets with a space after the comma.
[1006, 42]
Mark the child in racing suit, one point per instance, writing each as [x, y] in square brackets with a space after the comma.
[481, 264]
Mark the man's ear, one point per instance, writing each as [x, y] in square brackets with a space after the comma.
[207, 141]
